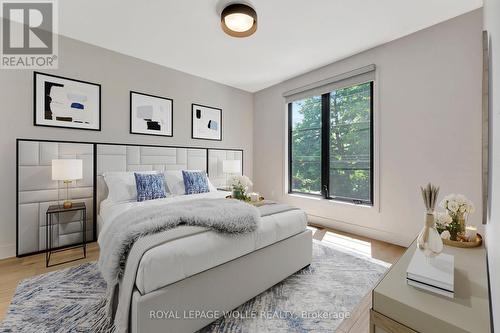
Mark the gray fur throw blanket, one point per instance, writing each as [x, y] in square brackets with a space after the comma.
[116, 240]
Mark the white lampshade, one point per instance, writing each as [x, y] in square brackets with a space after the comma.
[67, 169]
[231, 166]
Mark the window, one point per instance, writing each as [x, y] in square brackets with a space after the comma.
[305, 148]
[331, 144]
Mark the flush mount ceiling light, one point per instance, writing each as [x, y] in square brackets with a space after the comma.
[238, 20]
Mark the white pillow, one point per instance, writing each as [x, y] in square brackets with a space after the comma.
[121, 185]
[211, 186]
[175, 182]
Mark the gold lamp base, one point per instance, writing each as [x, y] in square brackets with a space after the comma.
[67, 203]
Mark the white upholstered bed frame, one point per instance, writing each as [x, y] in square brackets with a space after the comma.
[230, 284]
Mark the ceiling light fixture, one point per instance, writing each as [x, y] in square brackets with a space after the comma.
[238, 20]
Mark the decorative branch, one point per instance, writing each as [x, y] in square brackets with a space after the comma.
[430, 194]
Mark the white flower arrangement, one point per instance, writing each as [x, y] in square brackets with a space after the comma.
[458, 207]
[457, 203]
[241, 182]
[240, 185]
[443, 219]
[445, 234]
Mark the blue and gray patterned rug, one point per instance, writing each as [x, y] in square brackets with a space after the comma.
[315, 299]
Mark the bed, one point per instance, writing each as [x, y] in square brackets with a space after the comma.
[185, 283]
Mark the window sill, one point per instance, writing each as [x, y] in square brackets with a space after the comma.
[306, 196]
[329, 201]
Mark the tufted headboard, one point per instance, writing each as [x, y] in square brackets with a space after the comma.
[215, 160]
[36, 190]
[144, 158]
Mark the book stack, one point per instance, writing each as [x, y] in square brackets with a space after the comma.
[434, 274]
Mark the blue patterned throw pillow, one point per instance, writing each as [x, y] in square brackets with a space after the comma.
[150, 186]
[195, 182]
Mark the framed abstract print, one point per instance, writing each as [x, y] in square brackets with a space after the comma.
[67, 103]
[151, 115]
[206, 122]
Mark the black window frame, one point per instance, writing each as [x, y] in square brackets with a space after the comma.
[325, 152]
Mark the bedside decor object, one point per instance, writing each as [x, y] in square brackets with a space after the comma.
[206, 122]
[260, 201]
[429, 240]
[452, 225]
[239, 186]
[464, 243]
[56, 210]
[471, 233]
[150, 115]
[67, 170]
[68, 103]
[442, 221]
[254, 197]
[458, 207]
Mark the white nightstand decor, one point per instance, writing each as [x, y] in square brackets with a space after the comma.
[434, 274]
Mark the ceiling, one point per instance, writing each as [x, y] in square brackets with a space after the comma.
[293, 36]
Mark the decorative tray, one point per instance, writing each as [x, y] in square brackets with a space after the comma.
[257, 203]
[479, 241]
[261, 198]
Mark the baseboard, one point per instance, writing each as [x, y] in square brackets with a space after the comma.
[397, 239]
[7, 251]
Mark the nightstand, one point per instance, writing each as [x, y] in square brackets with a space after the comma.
[57, 209]
[224, 188]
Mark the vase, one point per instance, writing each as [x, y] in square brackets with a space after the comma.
[457, 226]
[429, 241]
[238, 194]
[461, 221]
[453, 233]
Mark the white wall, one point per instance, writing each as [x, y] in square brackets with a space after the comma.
[117, 74]
[428, 111]
[492, 25]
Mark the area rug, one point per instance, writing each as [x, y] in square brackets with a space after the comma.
[315, 299]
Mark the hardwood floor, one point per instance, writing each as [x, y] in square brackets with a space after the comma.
[359, 322]
[13, 270]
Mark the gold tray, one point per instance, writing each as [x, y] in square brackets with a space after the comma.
[478, 242]
[255, 203]
[261, 198]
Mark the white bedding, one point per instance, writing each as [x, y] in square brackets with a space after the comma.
[176, 260]
[109, 210]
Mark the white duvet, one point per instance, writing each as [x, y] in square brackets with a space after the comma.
[179, 259]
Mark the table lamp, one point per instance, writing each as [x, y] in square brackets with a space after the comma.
[67, 171]
[231, 167]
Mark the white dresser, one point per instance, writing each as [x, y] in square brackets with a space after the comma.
[400, 308]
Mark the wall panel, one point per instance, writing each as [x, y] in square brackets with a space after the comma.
[37, 191]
